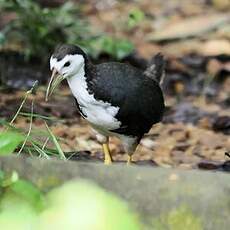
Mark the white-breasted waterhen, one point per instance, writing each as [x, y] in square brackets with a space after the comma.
[116, 99]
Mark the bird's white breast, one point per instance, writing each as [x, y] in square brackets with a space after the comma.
[99, 113]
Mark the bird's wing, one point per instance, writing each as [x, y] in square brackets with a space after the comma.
[138, 97]
[113, 82]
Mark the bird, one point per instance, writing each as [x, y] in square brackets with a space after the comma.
[117, 99]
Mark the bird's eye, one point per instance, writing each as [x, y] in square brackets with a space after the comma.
[67, 64]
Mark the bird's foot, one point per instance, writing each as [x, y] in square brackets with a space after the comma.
[108, 159]
[129, 160]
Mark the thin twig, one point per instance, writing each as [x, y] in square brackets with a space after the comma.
[30, 153]
[71, 155]
[45, 143]
[227, 154]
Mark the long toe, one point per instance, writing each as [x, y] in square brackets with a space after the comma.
[108, 161]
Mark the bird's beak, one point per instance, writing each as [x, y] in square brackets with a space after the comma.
[55, 80]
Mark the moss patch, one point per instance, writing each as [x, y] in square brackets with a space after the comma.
[178, 219]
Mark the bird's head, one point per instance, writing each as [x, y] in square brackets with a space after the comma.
[66, 62]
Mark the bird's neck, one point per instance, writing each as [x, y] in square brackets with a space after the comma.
[78, 83]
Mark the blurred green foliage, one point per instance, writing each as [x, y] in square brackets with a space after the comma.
[135, 17]
[38, 30]
[20, 202]
[74, 205]
[117, 48]
[23, 189]
[14, 138]
[84, 205]
[9, 141]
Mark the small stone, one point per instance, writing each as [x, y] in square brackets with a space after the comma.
[222, 124]
[148, 143]
[208, 165]
[173, 177]
[226, 166]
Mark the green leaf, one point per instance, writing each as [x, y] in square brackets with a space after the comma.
[123, 48]
[108, 45]
[29, 192]
[9, 141]
[117, 48]
[135, 17]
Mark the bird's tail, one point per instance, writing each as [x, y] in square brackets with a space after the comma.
[156, 68]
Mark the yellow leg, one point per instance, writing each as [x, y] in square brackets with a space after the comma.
[108, 159]
[129, 160]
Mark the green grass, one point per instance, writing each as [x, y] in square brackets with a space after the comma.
[19, 141]
[36, 115]
[58, 147]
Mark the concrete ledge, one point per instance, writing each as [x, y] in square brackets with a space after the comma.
[152, 192]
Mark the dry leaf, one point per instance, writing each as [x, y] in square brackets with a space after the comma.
[190, 27]
[216, 47]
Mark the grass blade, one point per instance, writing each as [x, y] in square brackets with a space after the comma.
[36, 115]
[58, 147]
[23, 102]
[40, 151]
[30, 128]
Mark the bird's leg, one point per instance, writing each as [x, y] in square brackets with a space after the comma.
[108, 158]
[105, 146]
[130, 145]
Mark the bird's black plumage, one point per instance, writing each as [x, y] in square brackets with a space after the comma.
[155, 69]
[62, 50]
[138, 97]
